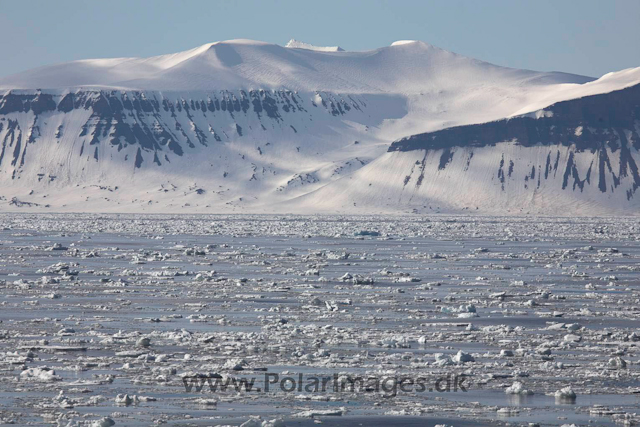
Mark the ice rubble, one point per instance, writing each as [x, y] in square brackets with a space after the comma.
[518, 388]
[122, 335]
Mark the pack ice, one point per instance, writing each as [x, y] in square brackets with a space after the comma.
[131, 317]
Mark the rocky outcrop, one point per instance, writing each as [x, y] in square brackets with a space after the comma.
[604, 127]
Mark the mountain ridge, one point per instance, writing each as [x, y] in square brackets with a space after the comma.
[322, 70]
[247, 126]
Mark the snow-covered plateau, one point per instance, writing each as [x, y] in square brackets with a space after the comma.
[244, 126]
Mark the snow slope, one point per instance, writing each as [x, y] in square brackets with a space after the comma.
[576, 157]
[245, 64]
[243, 125]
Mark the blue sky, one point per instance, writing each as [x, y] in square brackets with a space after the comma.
[588, 37]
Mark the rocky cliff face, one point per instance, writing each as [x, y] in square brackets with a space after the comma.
[214, 142]
[156, 124]
[602, 127]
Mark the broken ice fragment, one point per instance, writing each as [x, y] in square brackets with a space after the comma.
[565, 395]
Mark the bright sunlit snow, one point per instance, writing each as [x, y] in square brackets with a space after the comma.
[248, 126]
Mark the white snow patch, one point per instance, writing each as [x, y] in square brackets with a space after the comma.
[403, 42]
[296, 44]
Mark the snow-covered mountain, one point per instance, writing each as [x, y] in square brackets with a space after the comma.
[246, 126]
